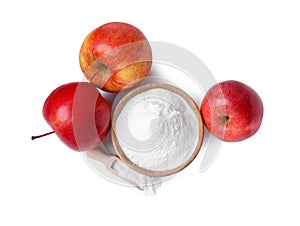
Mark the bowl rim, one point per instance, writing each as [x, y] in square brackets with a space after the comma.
[141, 89]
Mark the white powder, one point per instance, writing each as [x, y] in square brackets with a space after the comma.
[157, 130]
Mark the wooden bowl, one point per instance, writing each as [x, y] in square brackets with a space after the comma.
[142, 89]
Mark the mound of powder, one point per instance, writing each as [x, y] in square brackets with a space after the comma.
[157, 130]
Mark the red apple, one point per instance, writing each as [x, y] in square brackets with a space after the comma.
[115, 56]
[232, 111]
[78, 114]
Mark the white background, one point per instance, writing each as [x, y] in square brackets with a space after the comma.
[254, 182]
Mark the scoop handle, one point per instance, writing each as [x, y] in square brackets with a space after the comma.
[108, 160]
[102, 156]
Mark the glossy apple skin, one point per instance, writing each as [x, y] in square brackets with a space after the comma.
[78, 114]
[123, 49]
[232, 111]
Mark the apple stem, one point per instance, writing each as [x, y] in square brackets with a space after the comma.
[46, 134]
[225, 120]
